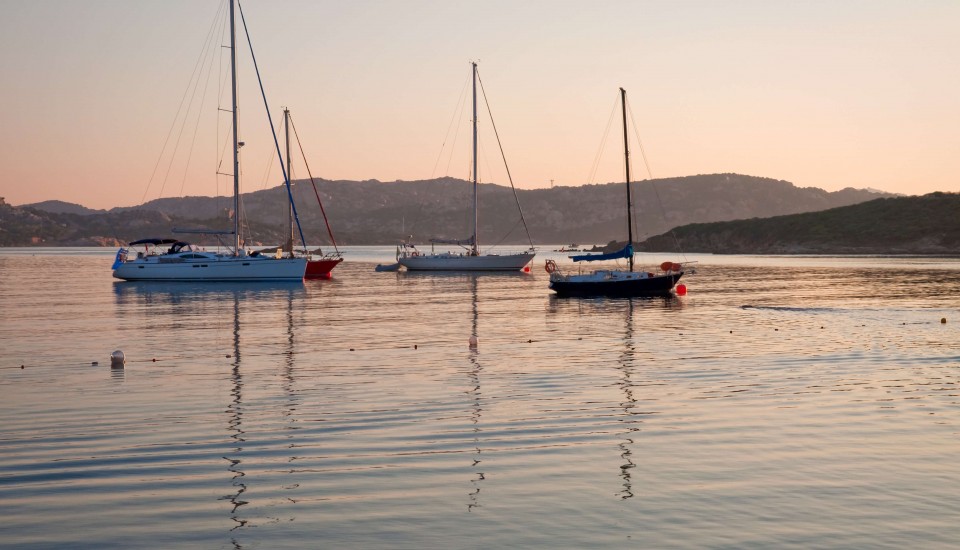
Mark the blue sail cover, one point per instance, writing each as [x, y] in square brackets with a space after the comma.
[626, 252]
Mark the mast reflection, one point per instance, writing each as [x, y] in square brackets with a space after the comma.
[290, 392]
[477, 406]
[235, 427]
[631, 422]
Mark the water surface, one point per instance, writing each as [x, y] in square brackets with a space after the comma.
[784, 402]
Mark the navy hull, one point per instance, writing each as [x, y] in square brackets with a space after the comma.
[626, 288]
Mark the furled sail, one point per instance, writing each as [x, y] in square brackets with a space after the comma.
[625, 252]
[461, 242]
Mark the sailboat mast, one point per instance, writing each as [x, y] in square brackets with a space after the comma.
[236, 146]
[286, 124]
[626, 160]
[476, 238]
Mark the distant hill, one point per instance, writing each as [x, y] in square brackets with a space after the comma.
[61, 207]
[926, 225]
[597, 213]
[374, 212]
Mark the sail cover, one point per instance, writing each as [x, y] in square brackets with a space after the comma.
[461, 242]
[625, 252]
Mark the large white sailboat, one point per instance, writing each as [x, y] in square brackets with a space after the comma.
[186, 262]
[470, 259]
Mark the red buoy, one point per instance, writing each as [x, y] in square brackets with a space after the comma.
[681, 290]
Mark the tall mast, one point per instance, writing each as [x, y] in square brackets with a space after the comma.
[626, 160]
[236, 145]
[476, 239]
[286, 123]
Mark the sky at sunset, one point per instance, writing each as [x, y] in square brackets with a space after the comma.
[827, 94]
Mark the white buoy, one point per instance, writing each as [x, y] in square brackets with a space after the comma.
[474, 341]
[117, 359]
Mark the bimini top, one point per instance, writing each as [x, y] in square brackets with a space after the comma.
[155, 242]
[625, 252]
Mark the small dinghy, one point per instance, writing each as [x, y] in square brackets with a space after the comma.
[388, 267]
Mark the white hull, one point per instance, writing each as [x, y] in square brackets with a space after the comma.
[210, 267]
[411, 258]
[458, 262]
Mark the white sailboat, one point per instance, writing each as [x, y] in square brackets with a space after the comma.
[471, 258]
[186, 262]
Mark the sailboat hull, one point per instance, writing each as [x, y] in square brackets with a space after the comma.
[320, 269]
[211, 268]
[460, 262]
[614, 284]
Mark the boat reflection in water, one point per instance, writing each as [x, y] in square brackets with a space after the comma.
[635, 404]
[605, 305]
[188, 294]
[476, 395]
[235, 429]
[250, 313]
[629, 404]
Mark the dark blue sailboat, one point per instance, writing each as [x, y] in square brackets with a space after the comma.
[616, 283]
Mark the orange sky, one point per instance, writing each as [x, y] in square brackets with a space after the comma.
[822, 93]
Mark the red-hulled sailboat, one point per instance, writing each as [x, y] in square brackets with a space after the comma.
[319, 264]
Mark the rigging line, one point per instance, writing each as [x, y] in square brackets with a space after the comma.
[486, 162]
[515, 224]
[458, 117]
[265, 179]
[218, 157]
[183, 125]
[196, 126]
[266, 174]
[643, 153]
[243, 228]
[449, 126]
[176, 147]
[509, 177]
[180, 107]
[480, 179]
[314, 183]
[273, 131]
[223, 154]
[656, 192]
[603, 142]
[456, 135]
[634, 225]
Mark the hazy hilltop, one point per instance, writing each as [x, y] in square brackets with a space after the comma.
[927, 225]
[374, 212]
[597, 213]
[61, 207]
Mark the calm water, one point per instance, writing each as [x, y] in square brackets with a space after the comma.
[784, 402]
